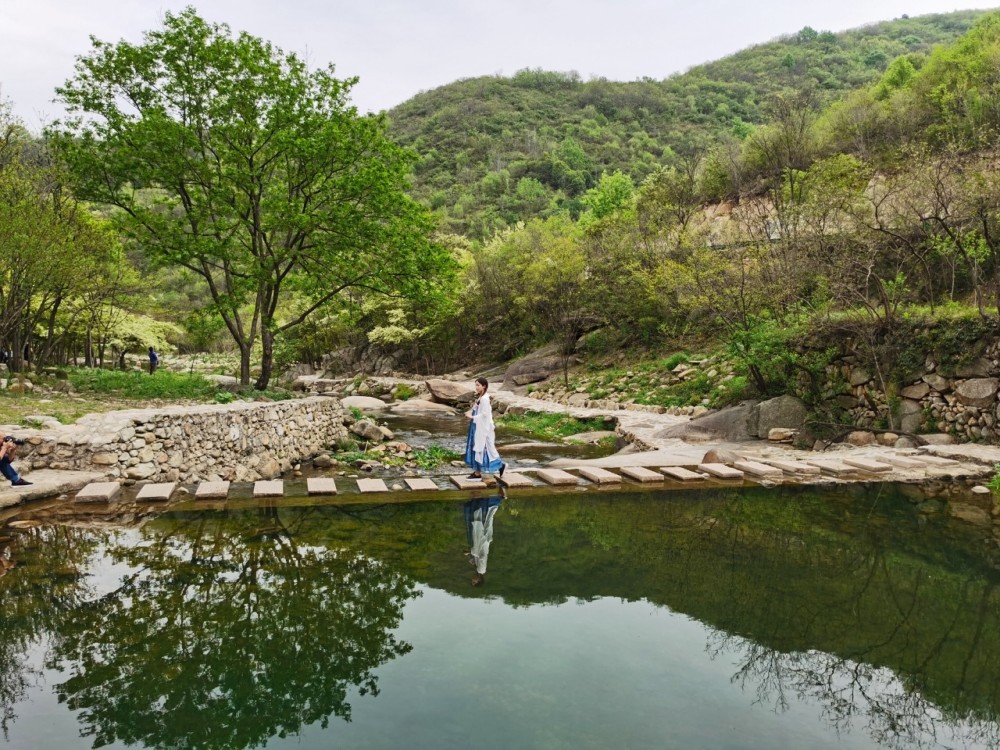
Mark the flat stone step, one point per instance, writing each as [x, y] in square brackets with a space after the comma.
[513, 479]
[721, 471]
[321, 486]
[599, 475]
[868, 464]
[464, 483]
[932, 460]
[831, 466]
[556, 476]
[98, 492]
[420, 483]
[642, 474]
[792, 467]
[158, 492]
[905, 462]
[212, 490]
[269, 488]
[679, 472]
[371, 485]
[757, 469]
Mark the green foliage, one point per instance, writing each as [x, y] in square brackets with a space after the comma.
[225, 397]
[356, 413]
[549, 425]
[405, 392]
[994, 483]
[433, 457]
[563, 132]
[265, 182]
[163, 384]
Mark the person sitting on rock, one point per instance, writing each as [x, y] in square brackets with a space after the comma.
[8, 446]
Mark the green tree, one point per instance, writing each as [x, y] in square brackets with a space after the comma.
[229, 157]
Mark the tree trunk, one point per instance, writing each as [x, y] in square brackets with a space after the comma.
[244, 363]
[88, 352]
[267, 359]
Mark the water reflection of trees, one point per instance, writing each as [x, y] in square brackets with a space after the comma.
[44, 586]
[227, 631]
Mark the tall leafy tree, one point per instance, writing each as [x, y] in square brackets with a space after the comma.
[231, 158]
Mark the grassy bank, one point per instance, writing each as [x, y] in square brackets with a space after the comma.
[551, 426]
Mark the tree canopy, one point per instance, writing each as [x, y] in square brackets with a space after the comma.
[231, 158]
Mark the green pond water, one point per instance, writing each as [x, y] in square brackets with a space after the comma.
[753, 618]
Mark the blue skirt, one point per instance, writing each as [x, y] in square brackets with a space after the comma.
[470, 454]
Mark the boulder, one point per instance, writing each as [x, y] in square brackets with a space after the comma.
[916, 392]
[365, 403]
[730, 424]
[938, 438]
[323, 461]
[937, 382]
[888, 439]
[980, 367]
[269, 468]
[911, 415]
[783, 411]
[777, 434]
[536, 366]
[450, 392]
[368, 430]
[303, 382]
[859, 376]
[420, 406]
[980, 392]
[860, 438]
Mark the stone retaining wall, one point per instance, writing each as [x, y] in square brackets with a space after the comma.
[238, 442]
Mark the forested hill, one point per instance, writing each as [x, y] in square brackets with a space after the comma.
[496, 150]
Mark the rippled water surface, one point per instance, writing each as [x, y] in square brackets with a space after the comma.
[781, 618]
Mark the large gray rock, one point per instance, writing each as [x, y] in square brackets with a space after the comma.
[367, 430]
[365, 403]
[980, 367]
[915, 392]
[783, 411]
[536, 366]
[979, 392]
[451, 392]
[420, 406]
[937, 382]
[911, 415]
[223, 381]
[729, 424]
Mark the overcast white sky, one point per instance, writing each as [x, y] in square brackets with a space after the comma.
[401, 47]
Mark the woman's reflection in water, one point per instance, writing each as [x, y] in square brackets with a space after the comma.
[479, 513]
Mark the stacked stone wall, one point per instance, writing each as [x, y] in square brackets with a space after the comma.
[236, 442]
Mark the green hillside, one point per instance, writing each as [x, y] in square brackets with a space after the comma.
[496, 150]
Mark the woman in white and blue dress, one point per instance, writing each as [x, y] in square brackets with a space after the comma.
[480, 446]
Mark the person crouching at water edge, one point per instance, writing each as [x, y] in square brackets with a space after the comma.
[480, 447]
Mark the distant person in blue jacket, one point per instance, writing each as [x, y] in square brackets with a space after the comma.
[154, 360]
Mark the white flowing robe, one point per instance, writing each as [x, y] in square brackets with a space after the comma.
[482, 537]
[484, 445]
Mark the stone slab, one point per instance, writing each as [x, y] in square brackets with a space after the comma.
[371, 485]
[321, 486]
[867, 464]
[905, 462]
[937, 461]
[599, 475]
[212, 490]
[679, 472]
[556, 476]
[98, 492]
[792, 467]
[721, 471]
[158, 492]
[420, 483]
[464, 483]
[831, 466]
[642, 474]
[269, 488]
[757, 469]
[513, 479]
